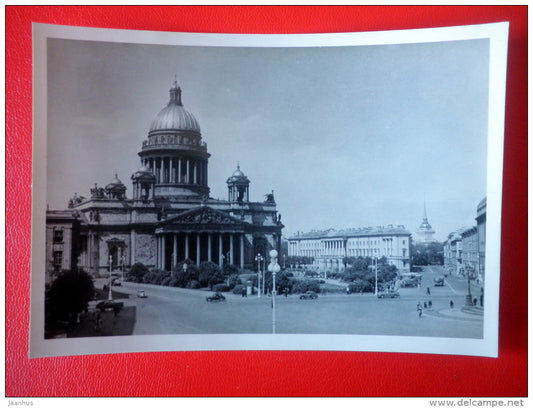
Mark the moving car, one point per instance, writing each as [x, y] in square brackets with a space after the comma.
[391, 295]
[308, 295]
[217, 297]
[439, 281]
[116, 282]
[141, 294]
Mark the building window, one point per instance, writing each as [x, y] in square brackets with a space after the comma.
[58, 260]
[58, 236]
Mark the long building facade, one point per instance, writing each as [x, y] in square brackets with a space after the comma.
[464, 250]
[328, 248]
[170, 216]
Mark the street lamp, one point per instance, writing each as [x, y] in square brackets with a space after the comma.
[110, 296]
[376, 272]
[469, 271]
[122, 266]
[258, 259]
[274, 268]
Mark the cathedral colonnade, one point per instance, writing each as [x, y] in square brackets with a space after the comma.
[218, 247]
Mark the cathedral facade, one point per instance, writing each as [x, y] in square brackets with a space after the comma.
[170, 216]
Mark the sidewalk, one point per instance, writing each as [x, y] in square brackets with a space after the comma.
[465, 313]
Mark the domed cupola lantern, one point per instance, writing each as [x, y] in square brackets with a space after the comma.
[175, 153]
[116, 189]
[143, 184]
[238, 187]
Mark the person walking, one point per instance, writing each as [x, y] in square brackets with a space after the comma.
[419, 309]
[428, 292]
[451, 304]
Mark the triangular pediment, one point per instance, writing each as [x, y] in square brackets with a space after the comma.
[204, 215]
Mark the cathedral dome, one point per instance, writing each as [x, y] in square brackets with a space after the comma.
[238, 176]
[174, 116]
[115, 182]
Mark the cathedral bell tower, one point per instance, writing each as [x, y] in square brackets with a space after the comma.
[238, 187]
[174, 152]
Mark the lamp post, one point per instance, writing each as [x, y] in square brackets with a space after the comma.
[110, 296]
[468, 277]
[376, 272]
[122, 266]
[258, 259]
[274, 268]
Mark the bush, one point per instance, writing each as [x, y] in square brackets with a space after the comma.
[221, 287]
[238, 289]
[360, 285]
[302, 286]
[166, 281]
[69, 295]
[234, 280]
[137, 272]
[193, 284]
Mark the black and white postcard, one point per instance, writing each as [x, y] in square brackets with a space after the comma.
[267, 192]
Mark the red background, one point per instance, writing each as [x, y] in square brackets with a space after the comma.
[253, 373]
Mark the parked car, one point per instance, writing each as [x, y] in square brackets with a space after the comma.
[391, 294]
[141, 294]
[217, 297]
[308, 295]
[439, 281]
[110, 305]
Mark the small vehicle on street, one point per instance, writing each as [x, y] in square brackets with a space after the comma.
[390, 295]
[141, 294]
[116, 282]
[110, 305]
[308, 295]
[439, 281]
[217, 297]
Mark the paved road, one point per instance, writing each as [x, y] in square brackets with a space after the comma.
[179, 311]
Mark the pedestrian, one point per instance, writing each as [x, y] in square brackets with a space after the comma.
[419, 309]
[430, 304]
[475, 301]
[425, 305]
[451, 304]
[428, 292]
[243, 292]
[97, 320]
[347, 290]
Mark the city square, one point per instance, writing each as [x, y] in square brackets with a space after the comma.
[185, 311]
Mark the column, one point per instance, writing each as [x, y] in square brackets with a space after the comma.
[163, 253]
[188, 178]
[175, 250]
[179, 170]
[198, 249]
[220, 250]
[209, 247]
[157, 255]
[163, 180]
[195, 166]
[242, 251]
[187, 245]
[90, 250]
[231, 249]
[171, 172]
[132, 247]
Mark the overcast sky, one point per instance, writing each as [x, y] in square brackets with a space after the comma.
[346, 137]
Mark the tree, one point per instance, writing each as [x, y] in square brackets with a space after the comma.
[138, 271]
[183, 275]
[69, 295]
[209, 274]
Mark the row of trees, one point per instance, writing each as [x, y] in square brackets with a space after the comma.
[361, 274]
